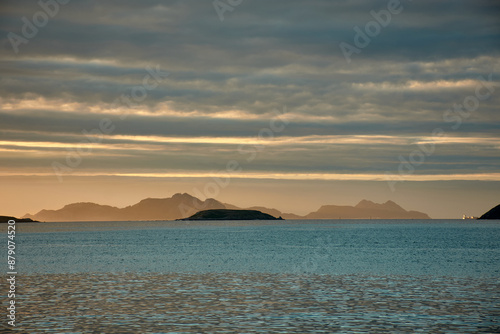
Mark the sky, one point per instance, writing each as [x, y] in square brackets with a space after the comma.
[285, 104]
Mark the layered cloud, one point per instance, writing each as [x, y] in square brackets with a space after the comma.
[270, 83]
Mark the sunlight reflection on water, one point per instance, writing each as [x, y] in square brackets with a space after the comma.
[256, 303]
[258, 277]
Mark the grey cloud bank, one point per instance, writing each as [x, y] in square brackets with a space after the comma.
[225, 78]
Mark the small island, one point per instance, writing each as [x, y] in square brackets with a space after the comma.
[5, 219]
[226, 214]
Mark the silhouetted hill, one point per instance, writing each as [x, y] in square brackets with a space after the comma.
[77, 212]
[492, 214]
[225, 214]
[365, 210]
[179, 205]
[5, 219]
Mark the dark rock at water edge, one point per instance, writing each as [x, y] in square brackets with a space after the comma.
[492, 214]
[5, 219]
[226, 214]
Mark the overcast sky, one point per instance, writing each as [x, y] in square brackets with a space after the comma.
[392, 100]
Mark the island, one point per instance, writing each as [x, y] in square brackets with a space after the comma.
[226, 214]
[492, 214]
[5, 219]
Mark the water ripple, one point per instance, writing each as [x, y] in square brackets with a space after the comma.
[256, 303]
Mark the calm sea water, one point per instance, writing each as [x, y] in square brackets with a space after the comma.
[259, 277]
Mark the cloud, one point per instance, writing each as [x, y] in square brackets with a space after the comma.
[227, 78]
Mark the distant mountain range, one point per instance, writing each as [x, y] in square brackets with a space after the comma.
[185, 205]
[366, 209]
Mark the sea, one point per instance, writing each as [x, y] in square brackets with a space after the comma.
[292, 276]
